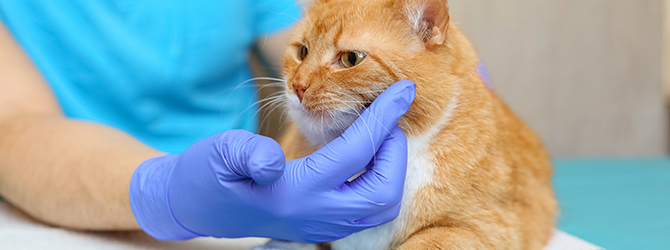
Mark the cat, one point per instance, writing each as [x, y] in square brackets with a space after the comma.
[477, 177]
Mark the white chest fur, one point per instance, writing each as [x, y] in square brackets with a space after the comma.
[420, 167]
[419, 172]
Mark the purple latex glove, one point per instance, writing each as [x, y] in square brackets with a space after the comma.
[237, 184]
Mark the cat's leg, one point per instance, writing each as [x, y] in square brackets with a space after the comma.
[438, 238]
[285, 245]
[457, 238]
[443, 238]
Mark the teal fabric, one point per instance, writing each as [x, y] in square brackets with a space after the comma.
[615, 203]
[165, 71]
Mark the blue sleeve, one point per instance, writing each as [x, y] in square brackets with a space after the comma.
[275, 15]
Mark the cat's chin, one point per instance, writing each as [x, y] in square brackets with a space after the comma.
[319, 128]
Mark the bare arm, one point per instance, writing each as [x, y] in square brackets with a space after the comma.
[62, 171]
[58, 170]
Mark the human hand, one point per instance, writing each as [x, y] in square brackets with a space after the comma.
[237, 184]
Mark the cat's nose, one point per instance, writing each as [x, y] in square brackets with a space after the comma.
[299, 90]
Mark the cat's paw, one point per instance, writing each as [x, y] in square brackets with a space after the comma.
[284, 245]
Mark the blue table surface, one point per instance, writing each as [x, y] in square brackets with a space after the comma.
[615, 204]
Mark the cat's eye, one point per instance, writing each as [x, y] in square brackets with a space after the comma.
[302, 52]
[351, 58]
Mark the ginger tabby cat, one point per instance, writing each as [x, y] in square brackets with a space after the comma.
[477, 177]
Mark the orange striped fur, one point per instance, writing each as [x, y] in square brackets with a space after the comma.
[478, 177]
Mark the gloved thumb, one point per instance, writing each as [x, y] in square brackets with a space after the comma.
[248, 155]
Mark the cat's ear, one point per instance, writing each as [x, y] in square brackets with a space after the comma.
[429, 19]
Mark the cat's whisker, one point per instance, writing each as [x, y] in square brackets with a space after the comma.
[277, 100]
[334, 116]
[323, 133]
[370, 92]
[274, 102]
[364, 103]
[252, 105]
[265, 85]
[378, 121]
[259, 79]
[340, 123]
[262, 87]
[425, 99]
[357, 102]
[283, 118]
[241, 85]
[281, 102]
[360, 104]
[368, 128]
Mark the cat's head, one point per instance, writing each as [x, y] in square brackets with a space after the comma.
[344, 53]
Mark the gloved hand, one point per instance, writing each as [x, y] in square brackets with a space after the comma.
[238, 184]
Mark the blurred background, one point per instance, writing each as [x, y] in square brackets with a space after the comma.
[586, 75]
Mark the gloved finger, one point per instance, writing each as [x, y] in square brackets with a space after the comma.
[348, 154]
[248, 155]
[266, 161]
[384, 180]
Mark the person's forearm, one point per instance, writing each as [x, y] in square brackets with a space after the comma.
[60, 171]
[67, 172]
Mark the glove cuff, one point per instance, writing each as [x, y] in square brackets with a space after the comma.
[149, 199]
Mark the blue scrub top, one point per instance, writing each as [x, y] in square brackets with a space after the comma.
[167, 72]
